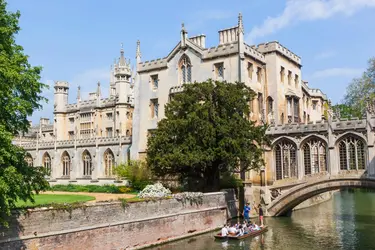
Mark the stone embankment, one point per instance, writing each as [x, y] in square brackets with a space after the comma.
[117, 225]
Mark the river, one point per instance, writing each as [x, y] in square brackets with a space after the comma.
[347, 221]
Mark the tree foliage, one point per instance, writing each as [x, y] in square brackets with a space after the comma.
[207, 131]
[136, 172]
[20, 95]
[344, 111]
[360, 90]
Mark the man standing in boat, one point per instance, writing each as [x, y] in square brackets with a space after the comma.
[246, 212]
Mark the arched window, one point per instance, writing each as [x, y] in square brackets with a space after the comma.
[286, 160]
[65, 159]
[352, 153]
[185, 69]
[29, 160]
[269, 105]
[47, 163]
[109, 161]
[87, 163]
[314, 156]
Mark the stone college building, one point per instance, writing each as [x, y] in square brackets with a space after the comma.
[88, 138]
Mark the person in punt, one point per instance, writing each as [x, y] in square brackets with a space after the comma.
[232, 230]
[224, 230]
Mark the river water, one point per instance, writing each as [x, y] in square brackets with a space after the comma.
[347, 221]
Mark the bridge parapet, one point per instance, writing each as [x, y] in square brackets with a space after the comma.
[298, 128]
[350, 124]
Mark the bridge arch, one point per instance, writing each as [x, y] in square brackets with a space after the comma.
[286, 202]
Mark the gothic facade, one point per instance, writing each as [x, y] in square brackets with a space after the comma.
[88, 138]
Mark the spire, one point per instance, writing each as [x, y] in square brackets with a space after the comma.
[98, 92]
[183, 35]
[79, 94]
[240, 24]
[122, 61]
[138, 54]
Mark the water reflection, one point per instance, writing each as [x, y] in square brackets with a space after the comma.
[345, 222]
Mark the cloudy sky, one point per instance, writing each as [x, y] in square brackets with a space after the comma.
[77, 41]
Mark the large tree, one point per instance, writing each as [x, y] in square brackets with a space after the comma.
[360, 90]
[20, 95]
[206, 132]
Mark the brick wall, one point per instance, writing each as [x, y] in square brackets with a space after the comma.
[113, 226]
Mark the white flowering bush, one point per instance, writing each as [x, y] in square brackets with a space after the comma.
[155, 191]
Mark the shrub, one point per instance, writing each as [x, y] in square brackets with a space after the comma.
[136, 172]
[229, 180]
[92, 188]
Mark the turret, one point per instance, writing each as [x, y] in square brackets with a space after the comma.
[61, 96]
[122, 75]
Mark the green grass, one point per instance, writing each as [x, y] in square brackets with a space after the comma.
[47, 199]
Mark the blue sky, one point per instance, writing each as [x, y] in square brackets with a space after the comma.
[77, 41]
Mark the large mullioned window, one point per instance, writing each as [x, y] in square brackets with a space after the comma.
[352, 153]
[65, 163]
[286, 160]
[314, 156]
[109, 161]
[87, 164]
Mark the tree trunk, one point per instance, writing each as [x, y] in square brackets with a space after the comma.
[212, 177]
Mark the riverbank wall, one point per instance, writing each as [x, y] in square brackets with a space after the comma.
[116, 225]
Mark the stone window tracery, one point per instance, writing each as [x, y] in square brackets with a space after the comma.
[87, 164]
[29, 160]
[66, 163]
[47, 163]
[108, 163]
[352, 153]
[286, 160]
[185, 69]
[314, 156]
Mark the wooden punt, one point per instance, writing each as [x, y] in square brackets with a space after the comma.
[251, 234]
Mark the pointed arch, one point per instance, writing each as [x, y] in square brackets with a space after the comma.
[66, 164]
[109, 162]
[29, 160]
[87, 163]
[352, 152]
[314, 155]
[184, 66]
[269, 105]
[47, 163]
[285, 151]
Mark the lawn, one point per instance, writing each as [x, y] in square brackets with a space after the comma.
[45, 199]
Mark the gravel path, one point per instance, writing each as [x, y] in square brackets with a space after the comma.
[98, 196]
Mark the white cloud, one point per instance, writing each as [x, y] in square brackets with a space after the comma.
[337, 72]
[325, 55]
[307, 10]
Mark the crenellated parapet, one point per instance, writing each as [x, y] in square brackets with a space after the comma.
[277, 47]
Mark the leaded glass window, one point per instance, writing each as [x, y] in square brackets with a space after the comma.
[286, 160]
[352, 153]
[66, 164]
[108, 162]
[29, 160]
[47, 163]
[87, 164]
[314, 156]
[185, 69]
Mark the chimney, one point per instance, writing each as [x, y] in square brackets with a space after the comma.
[199, 40]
